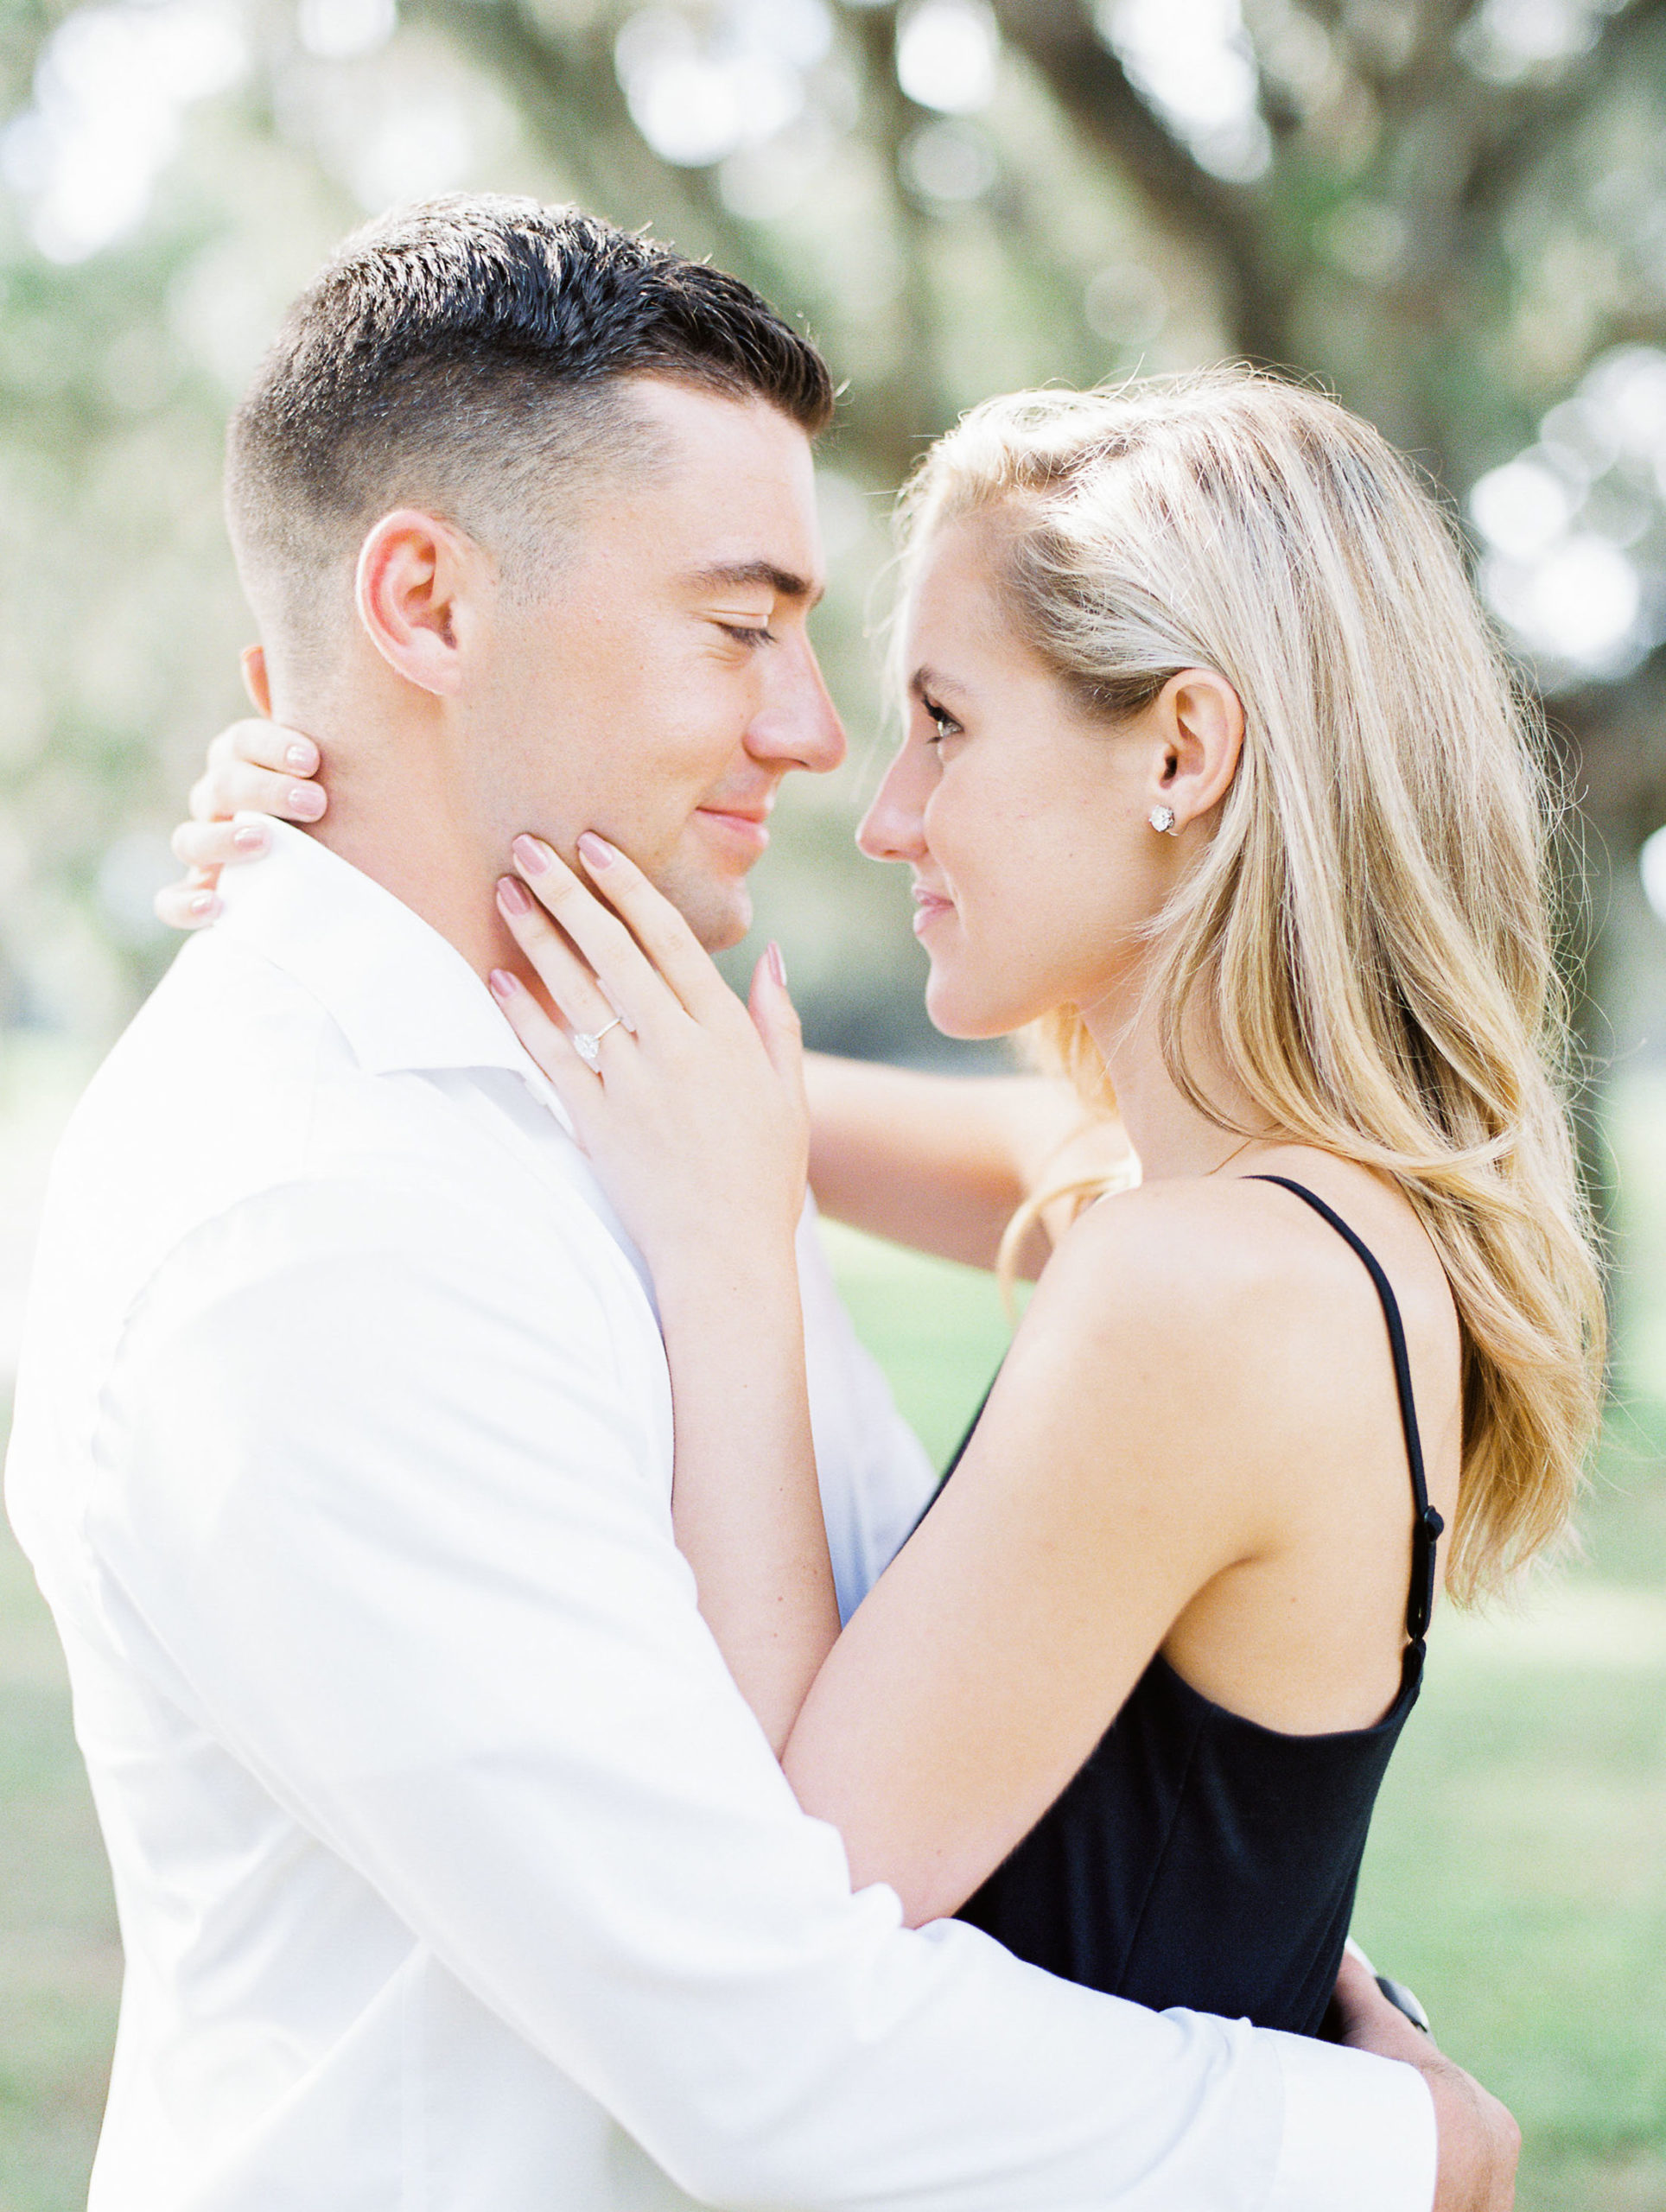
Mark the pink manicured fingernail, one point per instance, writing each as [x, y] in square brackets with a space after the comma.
[301, 759]
[597, 852]
[203, 907]
[534, 857]
[249, 840]
[777, 965]
[514, 898]
[504, 985]
[306, 800]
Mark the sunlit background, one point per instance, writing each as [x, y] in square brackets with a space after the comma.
[1453, 212]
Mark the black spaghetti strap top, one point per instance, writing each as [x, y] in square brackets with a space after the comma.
[1198, 1859]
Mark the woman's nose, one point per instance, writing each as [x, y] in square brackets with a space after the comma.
[894, 827]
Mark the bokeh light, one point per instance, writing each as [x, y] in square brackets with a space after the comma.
[1575, 525]
[111, 92]
[1651, 867]
[1192, 62]
[699, 91]
[947, 54]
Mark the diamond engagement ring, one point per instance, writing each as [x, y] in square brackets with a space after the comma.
[588, 1043]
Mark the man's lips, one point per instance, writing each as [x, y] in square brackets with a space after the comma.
[745, 828]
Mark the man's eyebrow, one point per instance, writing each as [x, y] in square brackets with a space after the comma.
[782, 582]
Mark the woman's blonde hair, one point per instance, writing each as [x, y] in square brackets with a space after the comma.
[1367, 934]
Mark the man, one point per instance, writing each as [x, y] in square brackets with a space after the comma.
[453, 1871]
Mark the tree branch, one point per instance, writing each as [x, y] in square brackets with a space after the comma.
[1533, 122]
[1093, 91]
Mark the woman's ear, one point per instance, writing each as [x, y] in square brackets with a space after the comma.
[415, 578]
[1200, 731]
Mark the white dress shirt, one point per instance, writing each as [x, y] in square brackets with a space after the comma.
[454, 1873]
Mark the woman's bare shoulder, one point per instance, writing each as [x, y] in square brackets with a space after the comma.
[1231, 1238]
[1207, 1246]
[1254, 1312]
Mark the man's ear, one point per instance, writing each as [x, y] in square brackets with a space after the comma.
[256, 682]
[1200, 729]
[414, 591]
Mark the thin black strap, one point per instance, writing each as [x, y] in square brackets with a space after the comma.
[1428, 1525]
[959, 1453]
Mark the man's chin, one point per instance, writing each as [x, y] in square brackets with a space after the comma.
[729, 928]
[718, 912]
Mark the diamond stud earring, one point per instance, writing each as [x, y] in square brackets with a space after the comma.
[1162, 818]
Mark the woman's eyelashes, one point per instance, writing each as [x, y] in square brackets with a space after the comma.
[943, 723]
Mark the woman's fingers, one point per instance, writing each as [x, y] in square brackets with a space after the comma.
[211, 846]
[624, 971]
[203, 848]
[255, 767]
[259, 767]
[264, 744]
[655, 924]
[189, 905]
[571, 983]
[546, 1041]
[230, 786]
[776, 1020]
[573, 1080]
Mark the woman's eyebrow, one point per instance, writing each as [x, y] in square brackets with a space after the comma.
[932, 680]
[732, 575]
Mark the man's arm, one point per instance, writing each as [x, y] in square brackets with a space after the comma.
[1480, 2142]
[394, 1502]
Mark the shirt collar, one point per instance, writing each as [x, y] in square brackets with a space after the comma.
[401, 994]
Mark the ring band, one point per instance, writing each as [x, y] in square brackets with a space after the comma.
[587, 1043]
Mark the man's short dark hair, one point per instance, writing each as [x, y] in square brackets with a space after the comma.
[467, 355]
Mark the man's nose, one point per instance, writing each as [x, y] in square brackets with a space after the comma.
[798, 726]
[893, 828]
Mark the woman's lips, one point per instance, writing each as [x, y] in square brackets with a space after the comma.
[931, 908]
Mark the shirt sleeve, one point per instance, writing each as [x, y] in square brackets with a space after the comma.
[1333, 2100]
[386, 1481]
[875, 1476]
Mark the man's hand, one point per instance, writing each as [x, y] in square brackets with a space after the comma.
[1480, 2141]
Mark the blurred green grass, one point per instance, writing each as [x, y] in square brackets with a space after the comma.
[59, 1956]
[1516, 1875]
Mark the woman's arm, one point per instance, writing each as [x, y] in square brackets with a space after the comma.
[1099, 1497]
[943, 1162]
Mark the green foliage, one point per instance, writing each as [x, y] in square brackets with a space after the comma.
[1444, 227]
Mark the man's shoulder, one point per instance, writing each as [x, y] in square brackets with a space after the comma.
[232, 1134]
[233, 1079]
[224, 1060]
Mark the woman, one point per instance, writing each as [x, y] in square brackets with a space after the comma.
[1212, 777]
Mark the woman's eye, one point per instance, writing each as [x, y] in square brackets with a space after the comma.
[943, 723]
